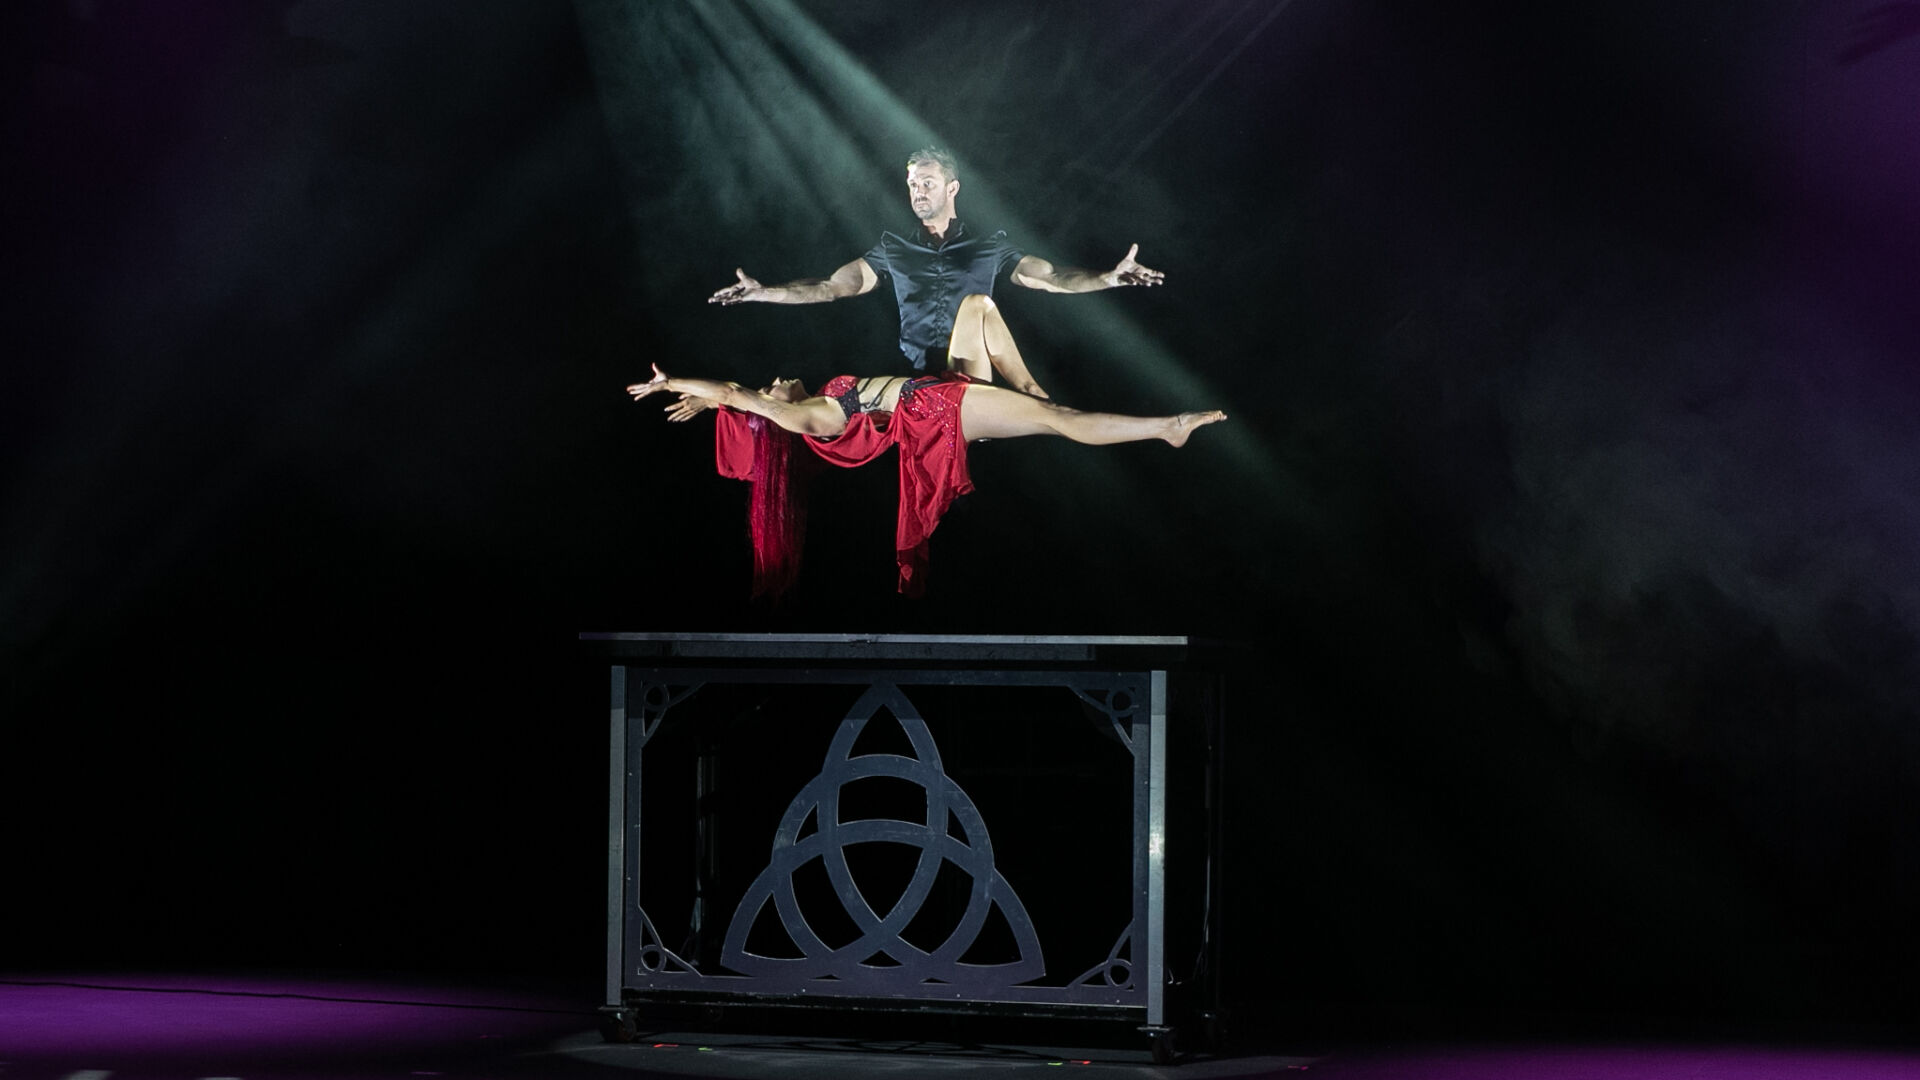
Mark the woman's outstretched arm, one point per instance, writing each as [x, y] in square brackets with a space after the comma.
[810, 416]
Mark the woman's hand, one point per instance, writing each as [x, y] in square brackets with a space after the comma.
[688, 407]
[651, 386]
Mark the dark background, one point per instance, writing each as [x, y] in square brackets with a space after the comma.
[1567, 513]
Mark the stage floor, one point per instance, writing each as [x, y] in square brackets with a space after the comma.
[95, 1026]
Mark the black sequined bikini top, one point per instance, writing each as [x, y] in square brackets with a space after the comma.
[851, 404]
[849, 401]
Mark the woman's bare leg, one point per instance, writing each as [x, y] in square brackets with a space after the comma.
[989, 412]
[982, 344]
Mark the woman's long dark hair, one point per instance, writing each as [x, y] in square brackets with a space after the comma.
[777, 507]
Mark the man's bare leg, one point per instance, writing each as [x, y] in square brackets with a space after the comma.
[982, 344]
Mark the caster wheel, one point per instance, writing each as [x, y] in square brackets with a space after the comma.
[618, 1027]
[1162, 1049]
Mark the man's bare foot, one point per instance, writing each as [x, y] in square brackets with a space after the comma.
[1184, 424]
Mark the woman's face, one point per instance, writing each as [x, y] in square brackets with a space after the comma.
[788, 390]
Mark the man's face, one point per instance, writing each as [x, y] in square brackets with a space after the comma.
[930, 192]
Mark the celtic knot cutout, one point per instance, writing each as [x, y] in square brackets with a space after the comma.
[878, 932]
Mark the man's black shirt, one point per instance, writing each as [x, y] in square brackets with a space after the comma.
[931, 275]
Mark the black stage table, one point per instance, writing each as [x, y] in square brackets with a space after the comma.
[999, 825]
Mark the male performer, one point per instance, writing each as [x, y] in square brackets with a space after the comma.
[937, 267]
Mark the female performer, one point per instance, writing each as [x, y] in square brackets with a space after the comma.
[851, 421]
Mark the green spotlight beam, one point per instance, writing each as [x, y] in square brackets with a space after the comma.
[755, 92]
[1140, 145]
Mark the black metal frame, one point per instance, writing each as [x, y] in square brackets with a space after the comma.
[654, 674]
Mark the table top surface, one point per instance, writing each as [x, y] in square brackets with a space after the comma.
[1085, 648]
[922, 639]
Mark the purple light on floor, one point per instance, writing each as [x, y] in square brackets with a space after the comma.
[1653, 1061]
[129, 1021]
[263, 1028]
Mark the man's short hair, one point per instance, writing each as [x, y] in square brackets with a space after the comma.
[938, 157]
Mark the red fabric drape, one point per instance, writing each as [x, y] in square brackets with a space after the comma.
[933, 472]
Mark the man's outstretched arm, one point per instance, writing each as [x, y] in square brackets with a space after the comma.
[854, 279]
[1037, 273]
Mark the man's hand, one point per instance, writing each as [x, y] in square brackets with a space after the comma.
[688, 407]
[1034, 272]
[742, 291]
[1128, 272]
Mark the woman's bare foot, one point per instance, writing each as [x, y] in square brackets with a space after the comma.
[1183, 425]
